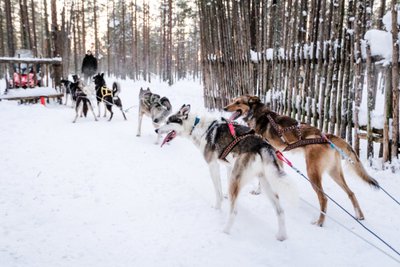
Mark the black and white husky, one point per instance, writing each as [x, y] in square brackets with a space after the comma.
[107, 96]
[246, 155]
[156, 107]
[82, 102]
[69, 88]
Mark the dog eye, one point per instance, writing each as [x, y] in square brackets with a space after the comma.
[237, 103]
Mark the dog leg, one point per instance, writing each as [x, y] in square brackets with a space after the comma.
[112, 114]
[337, 174]
[158, 138]
[98, 109]
[216, 179]
[228, 177]
[78, 107]
[315, 178]
[123, 113]
[105, 111]
[91, 108]
[234, 189]
[256, 191]
[281, 235]
[139, 129]
[118, 103]
[76, 117]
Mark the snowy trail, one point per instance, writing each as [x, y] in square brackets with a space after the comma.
[94, 194]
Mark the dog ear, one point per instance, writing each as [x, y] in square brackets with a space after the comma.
[102, 75]
[253, 100]
[185, 109]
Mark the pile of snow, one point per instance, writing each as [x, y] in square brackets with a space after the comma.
[381, 41]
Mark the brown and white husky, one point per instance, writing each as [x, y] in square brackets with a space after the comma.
[282, 131]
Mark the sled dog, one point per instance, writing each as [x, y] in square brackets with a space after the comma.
[250, 157]
[82, 102]
[283, 132]
[107, 96]
[156, 107]
[69, 88]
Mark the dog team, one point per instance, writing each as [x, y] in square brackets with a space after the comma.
[248, 151]
[80, 95]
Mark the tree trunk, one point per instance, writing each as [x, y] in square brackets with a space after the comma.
[55, 33]
[395, 80]
[35, 39]
[10, 28]
[387, 112]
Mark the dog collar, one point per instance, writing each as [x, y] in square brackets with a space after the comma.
[196, 121]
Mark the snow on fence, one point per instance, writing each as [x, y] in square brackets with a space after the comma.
[322, 62]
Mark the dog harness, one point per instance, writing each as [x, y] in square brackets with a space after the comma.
[105, 92]
[235, 141]
[300, 142]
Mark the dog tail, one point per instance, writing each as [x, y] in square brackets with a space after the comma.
[85, 107]
[355, 165]
[116, 88]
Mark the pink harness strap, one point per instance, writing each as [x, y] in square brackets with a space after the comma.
[232, 129]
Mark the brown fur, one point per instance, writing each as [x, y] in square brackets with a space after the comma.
[320, 158]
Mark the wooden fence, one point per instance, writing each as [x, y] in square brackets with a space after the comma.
[306, 59]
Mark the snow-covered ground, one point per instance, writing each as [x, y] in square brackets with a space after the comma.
[94, 194]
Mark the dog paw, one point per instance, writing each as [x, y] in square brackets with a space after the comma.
[281, 237]
[255, 192]
[227, 230]
[318, 223]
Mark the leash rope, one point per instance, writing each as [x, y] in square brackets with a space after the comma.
[341, 152]
[347, 157]
[389, 195]
[351, 231]
[285, 160]
[126, 110]
[103, 100]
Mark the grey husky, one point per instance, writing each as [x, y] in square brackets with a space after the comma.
[245, 159]
[156, 107]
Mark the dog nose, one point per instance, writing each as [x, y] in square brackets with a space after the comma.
[156, 130]
[225, 109]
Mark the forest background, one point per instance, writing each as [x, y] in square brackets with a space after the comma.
[312, 60]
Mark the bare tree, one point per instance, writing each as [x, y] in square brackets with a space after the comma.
[395, 79]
